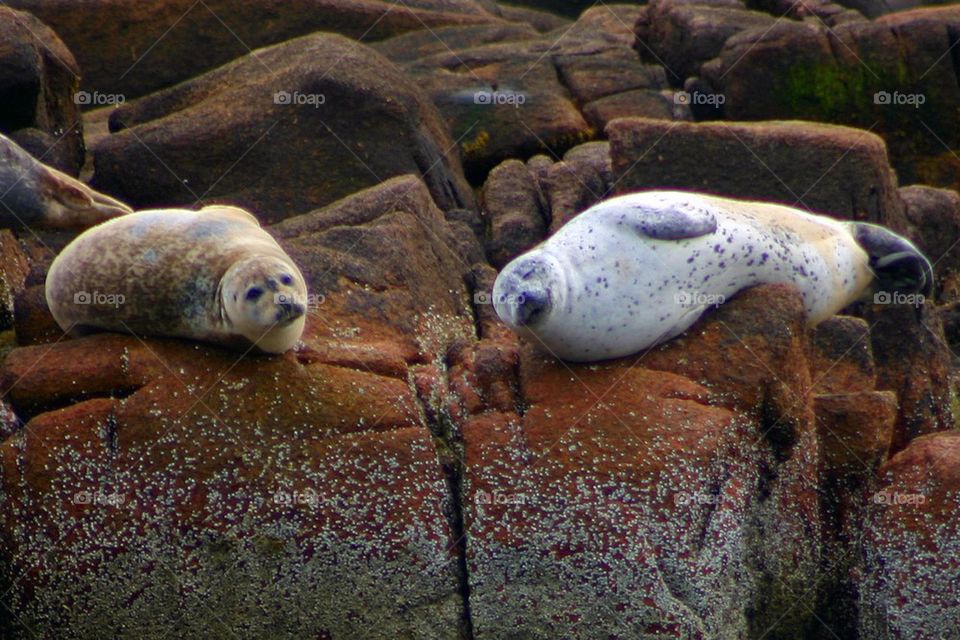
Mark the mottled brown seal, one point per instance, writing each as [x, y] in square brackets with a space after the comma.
[212, 275]
[35, 195]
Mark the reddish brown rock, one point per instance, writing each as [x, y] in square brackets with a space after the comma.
[582, 179]
[609, 22]
[914, 361]
[893, 76]
[822, 168]
[385, 269]
[611, 475]
[841, 358]
[542, 21]
[515, 209]
[14, 267]
[215, 137]
[422, 43]
[157, 45]
[855, 431]
[934, 215]
[592, 77]
[38, 91]
[682, 35]
[640, 103]
[32, 321]
[910, 544]
[501, 101]
[259, 480]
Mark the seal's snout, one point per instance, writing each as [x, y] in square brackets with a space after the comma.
[289, 311]
[531, 306]
[521, 294]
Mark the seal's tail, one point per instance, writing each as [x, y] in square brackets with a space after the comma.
[896, 262]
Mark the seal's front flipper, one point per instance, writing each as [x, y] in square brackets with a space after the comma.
[896, 262]
[663, 216]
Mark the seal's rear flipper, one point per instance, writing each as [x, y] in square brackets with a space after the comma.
[70, 204]
[36, 195]
[896, 263]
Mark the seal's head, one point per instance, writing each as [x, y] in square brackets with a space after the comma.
[897, 264]
[528, 292]
[264, 299]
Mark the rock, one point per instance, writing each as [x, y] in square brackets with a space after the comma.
[414, 45]
[158, 45]
[892, 76]
[235, 485]
[38, 91]
[568, 9]
[14, 267]
[829, 13]
[682, 36]
[841, 359]
[914, 361]
[154, 463]
[590, 78]
[542, 21]
[877, 8]
[611, 23]
[515, 210]
[934, 215]
[822, 168]
[582, 179]
[501, 101]
[33, 322]
[384, 267]
[910, 544]
[636, 454]
[854, 431]
[516, 99]
[641, 103]
[216, 137]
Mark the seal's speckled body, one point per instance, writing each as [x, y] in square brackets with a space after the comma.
[639, 269]
[210, 275]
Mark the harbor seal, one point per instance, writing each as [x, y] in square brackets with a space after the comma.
[35, 195]
[213, 275]
[639, 269]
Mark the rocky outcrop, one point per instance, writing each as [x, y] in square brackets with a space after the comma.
[893, 76]
[129, 48]
[280, 132]
[934, 215]
[39, 99]
[910, 544]
[507, 95]
[515, 210]
[839, 171]
[681, 36]
[413, 469]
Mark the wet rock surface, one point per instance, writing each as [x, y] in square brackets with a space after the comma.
[413, 469]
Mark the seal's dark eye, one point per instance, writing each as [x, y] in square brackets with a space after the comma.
[286, 279]
[254, 292]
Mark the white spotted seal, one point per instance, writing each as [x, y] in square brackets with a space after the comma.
[639, 269]
[35, 195]
[211, 275]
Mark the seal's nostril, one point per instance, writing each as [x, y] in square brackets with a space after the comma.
[531, 306]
